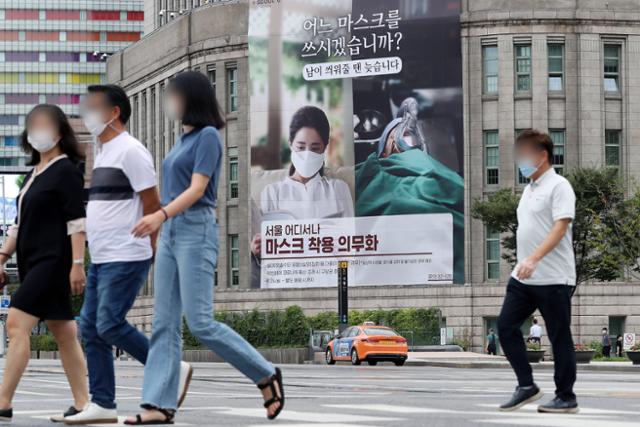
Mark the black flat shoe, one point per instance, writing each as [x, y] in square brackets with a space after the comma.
[6, 414]
[521, 397]
[559, 406]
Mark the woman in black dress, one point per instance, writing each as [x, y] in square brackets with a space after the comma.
[49, 240]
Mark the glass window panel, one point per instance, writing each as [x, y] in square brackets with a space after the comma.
[490, 69]
[555, 65]
[62, 15]
[555, 83]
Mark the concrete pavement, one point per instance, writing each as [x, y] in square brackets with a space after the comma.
[347, 396]
[471, 360]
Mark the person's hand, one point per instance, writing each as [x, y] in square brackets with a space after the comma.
[256, 245]
[3, 277]
[78, 279]
[148, 224]
[526, 268]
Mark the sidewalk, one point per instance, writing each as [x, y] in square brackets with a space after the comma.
[465, 359]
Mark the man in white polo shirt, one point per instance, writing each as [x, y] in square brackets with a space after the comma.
[544, 277]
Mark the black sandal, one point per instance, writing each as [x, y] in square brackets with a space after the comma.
[168, 419]
[275, 398]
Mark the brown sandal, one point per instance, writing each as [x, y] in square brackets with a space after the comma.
[275, 398]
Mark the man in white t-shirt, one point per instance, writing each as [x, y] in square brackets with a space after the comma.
[123, 190]
[544, 277]
[535, 332]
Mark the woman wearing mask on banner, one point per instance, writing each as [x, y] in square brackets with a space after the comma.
[48, 238]
[306, 193]
[186, 258]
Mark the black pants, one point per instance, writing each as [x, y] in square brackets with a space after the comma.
[554, 302]
[606, 350]
[492, 350]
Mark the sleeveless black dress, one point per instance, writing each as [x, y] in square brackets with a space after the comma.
[44, 247]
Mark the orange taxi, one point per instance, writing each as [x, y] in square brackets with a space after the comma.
[367, 342]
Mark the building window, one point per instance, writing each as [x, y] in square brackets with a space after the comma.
[493, 254]
[523, 68]
[612, 148]
[555, 54]
[103, 15]
[492, 157]
[558, 138]
[612, 68]
[232, 79]
[234, 260]
[211, 73]
[490, 69]
[521, 179]
[233, 172]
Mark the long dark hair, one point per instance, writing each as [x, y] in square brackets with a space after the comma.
[200, 105]
[68, 141]
[310, 117]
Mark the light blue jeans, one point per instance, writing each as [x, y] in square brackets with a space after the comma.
[184, 274]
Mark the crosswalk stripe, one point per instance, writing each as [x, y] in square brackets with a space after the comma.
[583, 411]
[390, 408]
[316, 425]
[560, 421]
[120, 421]
[315, 417]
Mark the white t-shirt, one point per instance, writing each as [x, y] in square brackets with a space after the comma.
[122, 168]
[545, 201]
[320, 197]
[535, 331]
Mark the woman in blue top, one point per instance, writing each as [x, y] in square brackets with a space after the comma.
[186, 258]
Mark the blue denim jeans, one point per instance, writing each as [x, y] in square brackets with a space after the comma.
[111, 291]
[184, 280]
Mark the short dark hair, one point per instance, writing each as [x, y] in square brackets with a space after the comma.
[535, 321]
[117, 97]
[201, 107]
[310, 117]
[68, 141]
[542, 141]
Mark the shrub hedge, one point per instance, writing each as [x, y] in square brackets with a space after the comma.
[44, 342]
[290, 327]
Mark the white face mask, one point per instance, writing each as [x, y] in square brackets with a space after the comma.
[171, 110]
[307, 163]
[41, 140]
[94, 124]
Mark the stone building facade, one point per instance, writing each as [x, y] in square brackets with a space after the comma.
[571, 67]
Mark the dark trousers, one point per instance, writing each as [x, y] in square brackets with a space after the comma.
[554, 303]
[606, 351]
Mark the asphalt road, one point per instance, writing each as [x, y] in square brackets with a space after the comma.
[346, 396]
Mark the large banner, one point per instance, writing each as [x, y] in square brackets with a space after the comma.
[356, 142]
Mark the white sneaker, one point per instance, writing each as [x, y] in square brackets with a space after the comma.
[93, 414]
[186, 372]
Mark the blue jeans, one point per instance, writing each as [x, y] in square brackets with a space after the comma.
[111, 291]
[184, 275]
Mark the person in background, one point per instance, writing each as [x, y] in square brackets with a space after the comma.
[49, 239]
[619, 346]
[544, 276]
[606, 343]
[535, 332]
[187, 257]
[492, 347]
[123, 188]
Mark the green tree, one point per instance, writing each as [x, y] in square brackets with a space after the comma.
[20, 180]
[606, 229]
